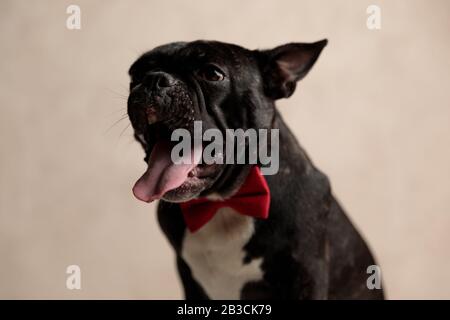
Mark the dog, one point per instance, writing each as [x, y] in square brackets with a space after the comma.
[302, 245]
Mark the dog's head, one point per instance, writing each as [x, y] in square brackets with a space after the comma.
[222, 85]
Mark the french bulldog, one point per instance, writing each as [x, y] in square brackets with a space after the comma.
[305, 247]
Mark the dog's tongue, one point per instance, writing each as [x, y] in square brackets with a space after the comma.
[162, 174]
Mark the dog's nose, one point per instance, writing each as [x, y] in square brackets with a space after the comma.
[159, 80]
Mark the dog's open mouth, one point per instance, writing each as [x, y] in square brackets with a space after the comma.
[167, 175]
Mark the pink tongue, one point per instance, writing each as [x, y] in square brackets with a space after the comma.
[162, 174]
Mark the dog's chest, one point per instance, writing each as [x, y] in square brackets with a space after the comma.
[215, 255]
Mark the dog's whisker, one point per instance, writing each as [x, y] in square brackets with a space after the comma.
[125, 88]
[121, 97]
[118, 93]
[125, 129]
[116, 111]
[116, 122]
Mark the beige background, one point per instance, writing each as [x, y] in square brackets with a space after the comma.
[373, 114]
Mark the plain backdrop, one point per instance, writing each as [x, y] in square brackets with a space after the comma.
[373, 114]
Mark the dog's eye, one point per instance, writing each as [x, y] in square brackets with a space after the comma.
[211, 72]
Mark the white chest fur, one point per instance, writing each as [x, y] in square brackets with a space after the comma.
[215, 254]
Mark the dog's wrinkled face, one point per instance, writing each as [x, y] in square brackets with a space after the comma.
[222, 85]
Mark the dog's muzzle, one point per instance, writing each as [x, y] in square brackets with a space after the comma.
[156, 107]
[160, 97]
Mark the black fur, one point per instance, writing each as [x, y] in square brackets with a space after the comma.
[309, 247]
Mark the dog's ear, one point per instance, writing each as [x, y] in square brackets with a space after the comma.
[283, 66]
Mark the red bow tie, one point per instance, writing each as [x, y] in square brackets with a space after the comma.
[252, 199]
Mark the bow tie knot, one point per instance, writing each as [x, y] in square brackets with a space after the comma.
[252, 199]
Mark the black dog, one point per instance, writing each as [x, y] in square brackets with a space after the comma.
[306, 248]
